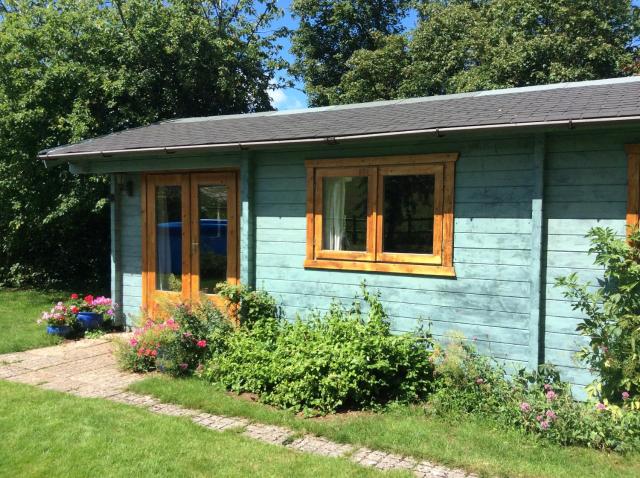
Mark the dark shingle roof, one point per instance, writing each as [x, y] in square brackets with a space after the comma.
[594, 100]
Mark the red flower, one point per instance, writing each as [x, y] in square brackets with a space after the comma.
[74, 296]
[154, 353]
[74, 310]
[201, 343]
[88, 299]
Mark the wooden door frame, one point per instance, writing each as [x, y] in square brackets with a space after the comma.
[147, 180]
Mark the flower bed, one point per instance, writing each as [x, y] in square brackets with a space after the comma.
[350, 359]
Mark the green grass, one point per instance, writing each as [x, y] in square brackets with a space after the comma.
[57, 435]
[19, 311]
[474, 444]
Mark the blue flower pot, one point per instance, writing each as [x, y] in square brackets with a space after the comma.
[90, 320]
[61, 330]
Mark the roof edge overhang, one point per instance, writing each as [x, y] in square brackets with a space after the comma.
[51, 158]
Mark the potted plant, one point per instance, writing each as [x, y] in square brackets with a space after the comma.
[60, 320]
[92, 311]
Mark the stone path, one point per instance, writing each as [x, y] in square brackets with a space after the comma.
[87, 368]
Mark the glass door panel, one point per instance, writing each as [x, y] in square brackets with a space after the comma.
[166, 271]
[168, 238]
[213, 232]
[213, 218]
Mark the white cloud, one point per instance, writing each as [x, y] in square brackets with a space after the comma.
[286, 99]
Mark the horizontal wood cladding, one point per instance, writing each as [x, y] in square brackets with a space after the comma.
[488, 299]
[585, 187]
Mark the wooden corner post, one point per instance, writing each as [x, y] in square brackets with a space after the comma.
[536, 305]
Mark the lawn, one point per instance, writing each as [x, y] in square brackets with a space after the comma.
[19, 311]
[57, 435]
[474, 444]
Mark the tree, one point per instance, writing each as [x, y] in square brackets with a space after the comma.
[468, 45]
[329, 33]
[375, 74]
[71, 69]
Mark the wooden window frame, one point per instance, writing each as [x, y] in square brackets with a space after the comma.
[440, 263]
[633, 186]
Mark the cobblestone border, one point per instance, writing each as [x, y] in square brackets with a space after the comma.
[285, 437]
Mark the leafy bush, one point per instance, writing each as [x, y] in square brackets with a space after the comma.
[613, 315]
[346, 359]
[537, 402]
[248, 306]
[179, 344]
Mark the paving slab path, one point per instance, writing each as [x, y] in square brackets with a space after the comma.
[88, 368]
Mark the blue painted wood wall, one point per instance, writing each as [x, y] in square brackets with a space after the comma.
[495, 186]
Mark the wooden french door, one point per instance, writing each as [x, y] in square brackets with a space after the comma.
[190, 237]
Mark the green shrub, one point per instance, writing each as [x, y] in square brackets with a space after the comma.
[248, 306]
[345, 359]
[612, 309]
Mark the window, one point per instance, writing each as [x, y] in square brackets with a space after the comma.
[386, 214]
[633, 191]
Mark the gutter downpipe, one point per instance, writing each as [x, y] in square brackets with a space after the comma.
[52, 157]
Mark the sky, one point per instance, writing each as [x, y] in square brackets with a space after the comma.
[294, 98]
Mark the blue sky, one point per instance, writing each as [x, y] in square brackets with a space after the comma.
[294, 98]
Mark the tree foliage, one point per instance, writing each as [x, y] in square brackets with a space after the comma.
[468, 45]
[329, 33]
[72, 69]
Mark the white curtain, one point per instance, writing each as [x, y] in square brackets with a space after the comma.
[333, 230]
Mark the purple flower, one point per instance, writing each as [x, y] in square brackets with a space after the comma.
[183, 366]
[110, 312]
[525, 407]
[551, 395]
[601, 406]
[625, 395]
[551, 415]
[544, 425]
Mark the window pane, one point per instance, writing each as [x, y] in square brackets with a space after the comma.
[408, 214]
[212, 206]
[168, 238]
[344, 213]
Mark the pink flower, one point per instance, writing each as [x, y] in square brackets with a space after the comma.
[133, 342]
[544, 425]
[154, 353]
[110, 312]
[525, 407]
[201, 343]
[547, 387]
[625, 395]
[601, 406]
[551, 415]
[551, 395]
[539, 418]
[479, 381]
[74, 296]
[183, 366]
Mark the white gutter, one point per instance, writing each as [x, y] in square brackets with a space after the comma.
[333, 139]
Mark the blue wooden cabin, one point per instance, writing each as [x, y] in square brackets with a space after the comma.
[459, 209]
